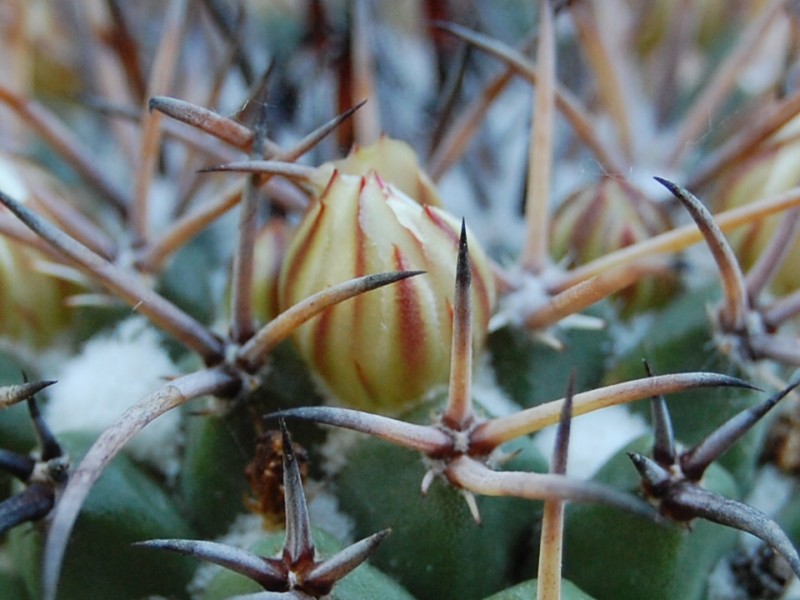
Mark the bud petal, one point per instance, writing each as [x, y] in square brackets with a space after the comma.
[395, 162]
[384, 350]
[775, 170]
[606, 217]
[270, 246]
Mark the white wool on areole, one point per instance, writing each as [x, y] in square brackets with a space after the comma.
[246, 530]
[594, 438]
[324, 512]
[113, 371]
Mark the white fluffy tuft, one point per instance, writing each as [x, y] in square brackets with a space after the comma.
[112, 372]
[324, 513]
[594, 438]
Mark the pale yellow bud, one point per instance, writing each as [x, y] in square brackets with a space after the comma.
[395, 162]
[270, 246]
[773, 171]
[709, 19]
[386, 349]
[32, 307]
[607, 216]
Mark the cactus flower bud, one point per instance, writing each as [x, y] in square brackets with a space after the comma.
[770, 172]
[395, 162]
[384, 350]
[606, 217]
[270, 245]
[32, 307]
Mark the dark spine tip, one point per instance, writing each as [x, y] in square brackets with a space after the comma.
[674, 189]
[355, 107]
[647, 368]
[463, 274]
[653, 474]
[326, 574]
[298, 545]
[50, 447]
[695, 461]
[288, 451]
[406, 274]
[261, 570]
[638, 461]
[731, 381]
[664, 437]
[561, 449]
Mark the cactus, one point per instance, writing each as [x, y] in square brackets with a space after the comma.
[315, 210]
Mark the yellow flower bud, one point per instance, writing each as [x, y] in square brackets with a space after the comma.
[709, 19]
[384, 350]
[773, 171]
[605, 217]
[395, 162]
[270, 246]
[32, 309]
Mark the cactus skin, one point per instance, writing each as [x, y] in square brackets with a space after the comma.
[527, 591]
[437, 538]
[212, 483]
[642, 559]
[681, 336]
